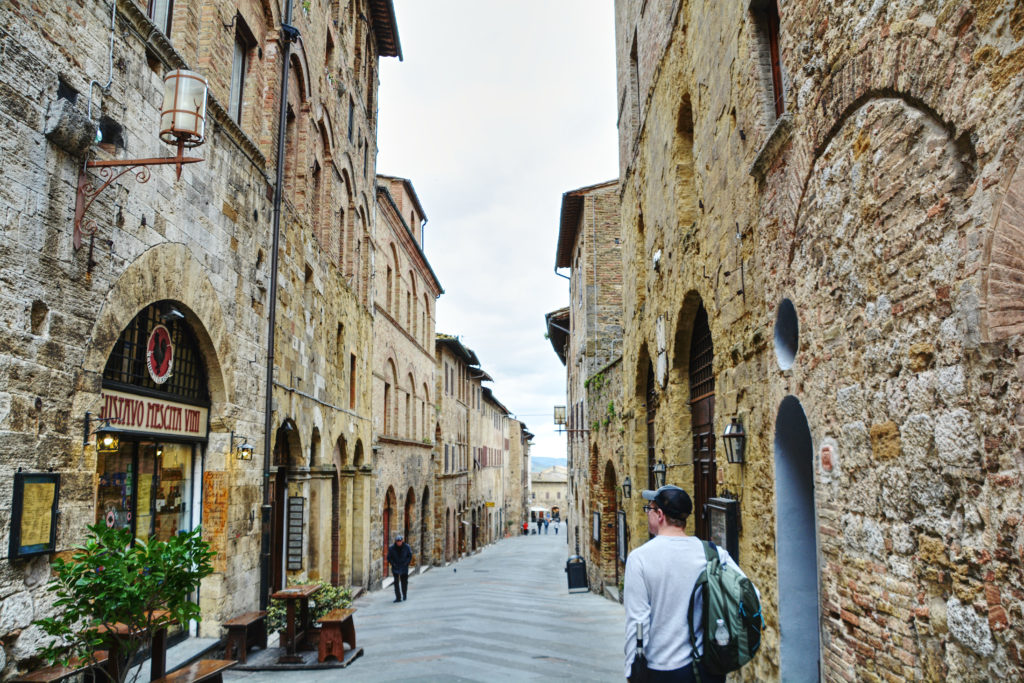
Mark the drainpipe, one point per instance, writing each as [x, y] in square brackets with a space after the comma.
[288, 34]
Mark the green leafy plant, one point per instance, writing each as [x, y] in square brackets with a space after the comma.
[115, 579]
[328, 598]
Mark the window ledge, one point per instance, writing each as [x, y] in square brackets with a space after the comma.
[772, 145]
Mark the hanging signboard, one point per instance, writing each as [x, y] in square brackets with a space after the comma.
[296, 508]
[134, 413]
[34, 514]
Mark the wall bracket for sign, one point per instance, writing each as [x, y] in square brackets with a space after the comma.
[34, 514]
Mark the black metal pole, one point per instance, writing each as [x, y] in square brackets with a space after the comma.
[287, 35]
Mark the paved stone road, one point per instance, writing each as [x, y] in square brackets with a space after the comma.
[503, 614]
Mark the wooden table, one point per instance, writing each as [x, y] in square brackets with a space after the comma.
[158, 648]
[296, 638]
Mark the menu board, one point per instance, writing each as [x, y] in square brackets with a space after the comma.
[34, 514]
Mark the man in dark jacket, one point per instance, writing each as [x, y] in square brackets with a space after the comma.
[399, 557]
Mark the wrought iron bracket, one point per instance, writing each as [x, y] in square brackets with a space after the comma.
[88, 191]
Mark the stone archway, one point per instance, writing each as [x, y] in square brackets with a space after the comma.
[796, 544]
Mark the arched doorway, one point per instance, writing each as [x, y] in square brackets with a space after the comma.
[425, 550]
[651, 399]
[796, 544]
[287, 452]
[609, 520]
[409, 518]
[702, 417]
[155, 391]
[358, 519]
[387, 515]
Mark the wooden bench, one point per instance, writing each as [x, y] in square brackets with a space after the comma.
[244, 632]
[336, 630]
[52, 674]
[203, 671]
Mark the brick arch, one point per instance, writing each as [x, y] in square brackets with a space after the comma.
[679, 364]
[1003, 307]
[920, 66]
[967, 156]
[156, 275]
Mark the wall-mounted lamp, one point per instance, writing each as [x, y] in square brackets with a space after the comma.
[735, 440]
[244, 449]
[182, 123]
[627, 487]
[659, 470]
[560, 418]
[159, 450]
[108, 437]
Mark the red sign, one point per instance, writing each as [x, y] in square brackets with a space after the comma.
[159, 354]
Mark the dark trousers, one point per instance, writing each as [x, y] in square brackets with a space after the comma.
[401, 586]
[683, 675]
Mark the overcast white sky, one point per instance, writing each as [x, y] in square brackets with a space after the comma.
[499, 107]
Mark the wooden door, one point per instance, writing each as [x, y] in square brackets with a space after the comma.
[702, 417]
[386, 524]
[279, 496]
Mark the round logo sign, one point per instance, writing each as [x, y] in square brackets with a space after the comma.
[159, 354]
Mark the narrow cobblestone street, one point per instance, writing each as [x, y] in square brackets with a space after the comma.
[503, 614]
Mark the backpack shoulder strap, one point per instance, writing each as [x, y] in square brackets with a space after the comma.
[710, 551]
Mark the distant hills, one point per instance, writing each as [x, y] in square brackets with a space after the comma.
[538, 464]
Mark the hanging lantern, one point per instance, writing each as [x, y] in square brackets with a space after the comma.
[183, 114]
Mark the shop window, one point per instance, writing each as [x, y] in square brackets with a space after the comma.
[127, 367]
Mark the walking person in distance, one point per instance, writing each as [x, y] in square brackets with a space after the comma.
[660, 577]
[399, 557]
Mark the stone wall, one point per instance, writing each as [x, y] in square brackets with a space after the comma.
[203, 242]
[882, 435]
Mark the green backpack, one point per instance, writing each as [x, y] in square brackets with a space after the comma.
[732, 615]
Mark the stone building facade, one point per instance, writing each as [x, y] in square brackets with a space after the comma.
[491, 456]
[821, 207]
[587, 336]
[454, 362]
[404, 415]
[517, 485]
[191, 258]
[549, 492]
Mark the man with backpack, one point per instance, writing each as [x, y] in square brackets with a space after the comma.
[661, 576]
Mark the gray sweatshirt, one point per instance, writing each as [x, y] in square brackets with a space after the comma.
[660, 576]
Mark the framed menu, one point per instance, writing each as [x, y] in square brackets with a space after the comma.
[34, 514]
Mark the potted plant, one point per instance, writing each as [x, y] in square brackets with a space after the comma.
[116, 592]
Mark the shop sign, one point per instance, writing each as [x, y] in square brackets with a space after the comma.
[134, 413]
[159, 354]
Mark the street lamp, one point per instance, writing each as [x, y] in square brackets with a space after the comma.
[182, 123]
[735, 440]
[659, 473]
[108, 437]
[627, 487]
[244, 451]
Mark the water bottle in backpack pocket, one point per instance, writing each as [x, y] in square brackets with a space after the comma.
[731, 619]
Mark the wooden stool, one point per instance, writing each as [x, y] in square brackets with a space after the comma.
[244, 632]
[336, 630]
[205, 671]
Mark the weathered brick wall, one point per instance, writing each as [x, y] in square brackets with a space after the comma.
[882, 205]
